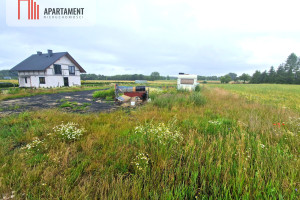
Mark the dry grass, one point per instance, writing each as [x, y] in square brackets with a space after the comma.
[10, 81]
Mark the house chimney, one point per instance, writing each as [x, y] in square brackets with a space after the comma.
[50, 52]
[39, 53]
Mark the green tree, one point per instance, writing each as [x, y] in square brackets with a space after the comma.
[225, 79]
[291, 62]
[272, 75]
[155, 76]
[280, 74]
[245, 77]
[256, 77]
[233, 76]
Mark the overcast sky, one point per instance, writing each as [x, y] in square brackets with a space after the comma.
[169, 36]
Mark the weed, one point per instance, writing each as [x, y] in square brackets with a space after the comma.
[69, 132]
[104, 94]
[75, 106]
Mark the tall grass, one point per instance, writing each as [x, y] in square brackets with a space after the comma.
[227, 148]
[175, 98]
[104, 94]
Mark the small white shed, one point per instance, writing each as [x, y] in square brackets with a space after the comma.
[186, 82]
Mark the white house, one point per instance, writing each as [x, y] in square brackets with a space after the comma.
[49, 70]
[186, 82]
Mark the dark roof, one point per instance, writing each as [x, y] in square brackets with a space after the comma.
[41, 62]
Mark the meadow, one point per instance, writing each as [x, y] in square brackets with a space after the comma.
[10, 81]
[209, 144]
[282, 96]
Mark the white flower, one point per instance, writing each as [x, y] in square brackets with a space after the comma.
[69, 131]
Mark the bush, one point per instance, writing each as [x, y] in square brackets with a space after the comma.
[103, 94]
[197, 88]
[6, 85]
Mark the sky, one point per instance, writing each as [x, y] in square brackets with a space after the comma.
[169, 36]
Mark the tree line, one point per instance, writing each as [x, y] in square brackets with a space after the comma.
[127, 77]
[8, 73]
[286, 73]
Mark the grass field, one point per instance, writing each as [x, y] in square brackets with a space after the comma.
[211, 144]
[282, 96]
[10, 81]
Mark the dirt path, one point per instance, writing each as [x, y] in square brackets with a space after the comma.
[83, 99]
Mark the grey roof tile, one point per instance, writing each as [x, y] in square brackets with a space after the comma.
[41, 62]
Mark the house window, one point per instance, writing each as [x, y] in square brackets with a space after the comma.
[187, 81]
[57, 69]
[42, 80]
[26, 80]
[71, 70]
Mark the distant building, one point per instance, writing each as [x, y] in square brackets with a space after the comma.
[7, 78]
[49, 70]
[186, 82]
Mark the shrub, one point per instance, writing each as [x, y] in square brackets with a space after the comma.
[197, 88]
[104, 94]
[6, 85]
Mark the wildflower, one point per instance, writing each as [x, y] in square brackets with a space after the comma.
[35, 145]
[262, 146]
[69, 131]
[162, 133]
[216, 123]
[141, 161]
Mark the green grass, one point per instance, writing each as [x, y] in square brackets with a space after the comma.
[282, 96]
[104, 94]
[75, 106]
[222, 147]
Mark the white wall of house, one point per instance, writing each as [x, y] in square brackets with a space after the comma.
[51, 79]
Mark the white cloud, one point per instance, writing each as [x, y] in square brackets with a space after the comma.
[269, 50]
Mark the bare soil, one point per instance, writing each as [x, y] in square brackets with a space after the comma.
[54, 101]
